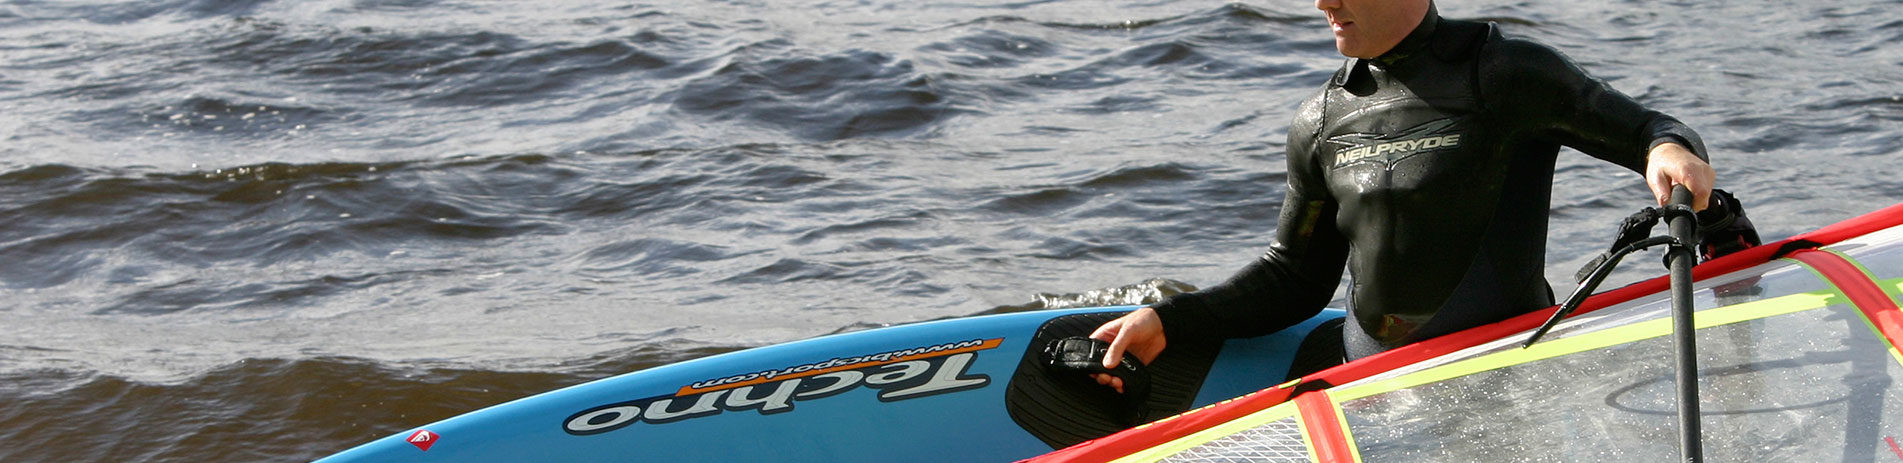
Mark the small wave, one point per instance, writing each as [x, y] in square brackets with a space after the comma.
[64, 222]
[1149, 291]
[993, 49]
[226, 116]
[135, 11]
[866, 226]
[1218, 44]
[463, 69]
[254, 410]
[848, 95]
[652, 257]
[448, 68]
[1125, 177]
[394, 5]
[267, 298]
[1233, 13]
[1043, 202]
[1121, 104]
[790, 270]
[893, 276]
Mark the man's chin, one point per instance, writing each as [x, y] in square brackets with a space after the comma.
[1352, 53]
[1350, 49]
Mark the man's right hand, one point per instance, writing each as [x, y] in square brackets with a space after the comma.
[1140, 332]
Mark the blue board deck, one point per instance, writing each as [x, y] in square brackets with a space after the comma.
[951, 390]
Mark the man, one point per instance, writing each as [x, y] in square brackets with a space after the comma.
[1425, 167]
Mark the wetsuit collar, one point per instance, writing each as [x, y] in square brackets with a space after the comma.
[1415, 41]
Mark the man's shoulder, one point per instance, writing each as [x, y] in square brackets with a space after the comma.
[1458, 40]
[1499, 49]
[1309, 114]
[1462, 40]
[1519, 61]
[1520, 50]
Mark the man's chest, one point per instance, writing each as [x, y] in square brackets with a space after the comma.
[1396, 145]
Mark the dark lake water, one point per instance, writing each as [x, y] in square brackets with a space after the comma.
[267, 230]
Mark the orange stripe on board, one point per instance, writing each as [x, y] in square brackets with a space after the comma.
[1322, 421]
[986, 345]
[1863, 293]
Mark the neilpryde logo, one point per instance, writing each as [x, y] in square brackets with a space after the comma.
[897, 375]
[1388, 149]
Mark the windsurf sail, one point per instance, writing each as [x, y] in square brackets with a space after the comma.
[1797, 358]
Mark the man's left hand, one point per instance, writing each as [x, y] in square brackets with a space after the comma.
[1671, 164]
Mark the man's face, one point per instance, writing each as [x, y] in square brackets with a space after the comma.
[1368, 28]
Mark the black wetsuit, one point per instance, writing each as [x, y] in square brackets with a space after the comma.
[1428, 173]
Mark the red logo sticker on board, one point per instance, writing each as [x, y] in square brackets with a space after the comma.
[422, 439]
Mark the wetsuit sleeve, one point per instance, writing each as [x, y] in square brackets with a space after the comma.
[1291, 282]
[1536, 85]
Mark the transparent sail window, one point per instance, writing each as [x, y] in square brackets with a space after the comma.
[1814, 385]
[1773, 283]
